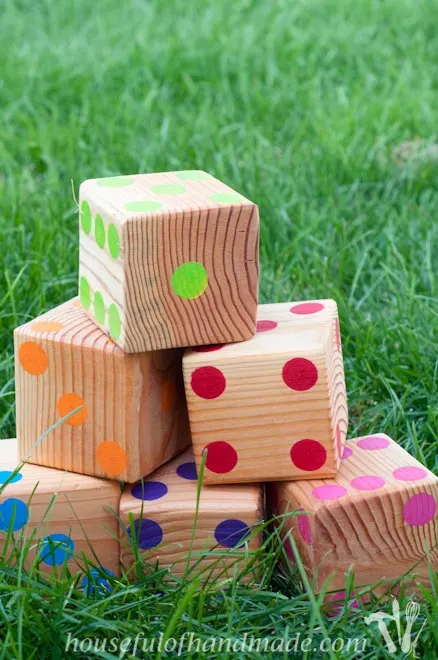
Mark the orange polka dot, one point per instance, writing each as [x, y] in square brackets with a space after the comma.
[33, 358]
[111, 458]
[69, 402]
[168, 396]
[47, 326]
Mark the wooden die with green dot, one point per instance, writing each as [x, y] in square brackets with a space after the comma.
[168, 260]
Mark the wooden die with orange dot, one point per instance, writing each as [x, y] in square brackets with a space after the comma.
[127, 412]
[168, 260]
[58, 518]
[378, 516]
[158, 516]
[272, 407]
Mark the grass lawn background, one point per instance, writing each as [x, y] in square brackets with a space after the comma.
[304, 107]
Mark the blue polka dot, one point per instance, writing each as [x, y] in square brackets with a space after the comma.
[231, 533]
[148, 533]
[149, 490]
[57, 548]
[187, 471]
[5, 476]
[96, 582]
[14, 515]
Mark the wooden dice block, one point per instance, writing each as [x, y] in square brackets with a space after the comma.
[59, 518]
[168, 260]
[130, 409]
[273, 407]
[160, 512]
[377, 516]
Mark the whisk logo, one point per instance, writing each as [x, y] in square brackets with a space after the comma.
[407, 635]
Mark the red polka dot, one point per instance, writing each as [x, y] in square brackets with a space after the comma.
[307, 308]
[308, 455]
[221, 457]
[337, 335]
[300, 374]
[209, 348]
[208, 382]
[338, 440]
[264, 326]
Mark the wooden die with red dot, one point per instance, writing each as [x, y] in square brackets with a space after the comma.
[56, 518]
[378, 516]
[168, 260]
[158, 516]
[124, 415]
[272, 407]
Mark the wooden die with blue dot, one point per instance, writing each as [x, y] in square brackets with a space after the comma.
[58, 518]
[168, 260]
[158, 516]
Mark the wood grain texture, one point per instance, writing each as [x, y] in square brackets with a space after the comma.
[53, 502]
[377, 516]
[164, 222]
[273, 407]
[166, 516]
[133, 417]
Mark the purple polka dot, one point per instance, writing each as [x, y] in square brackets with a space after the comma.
[231, 533]
[347, 453]
[420, 509]
[410, 473]
[367, 482]
[372, 442]
[148, 533]
[149, 490]
[187, 471]
[329, 492]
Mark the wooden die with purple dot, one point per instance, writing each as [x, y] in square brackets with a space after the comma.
[378, 516]
[273, 407]
[58, 518]
[158, 515]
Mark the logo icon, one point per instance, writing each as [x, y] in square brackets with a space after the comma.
[405, 638]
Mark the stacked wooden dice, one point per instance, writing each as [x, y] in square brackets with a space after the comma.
[115, 468]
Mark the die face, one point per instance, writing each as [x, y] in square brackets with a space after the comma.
[379, 515]
[59, 517]
[264, 408]
[160, 513]
[186, 267]
[130, 414]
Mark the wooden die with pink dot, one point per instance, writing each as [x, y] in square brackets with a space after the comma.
[272, 407]
[158, 515]
[57, 518]
[378, 516]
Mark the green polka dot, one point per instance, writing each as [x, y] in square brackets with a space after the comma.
[113, 241]
[189, 280]
[115, 325]
[86, 217]
[115, 182]
[99, 231]
[169, 189]
[227, 198]
[99, 308]
[84, 293]
[138, 207]
[193, 175]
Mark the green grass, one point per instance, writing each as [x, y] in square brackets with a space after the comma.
[301, 106]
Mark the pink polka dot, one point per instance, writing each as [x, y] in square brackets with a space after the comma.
[367, 482]
[337, 602]
[337, 335]
[208, 382]
[329, 492]
[289, 550]
[308, 455]
[410, 473]
[304, 528]
[300, 374]
[338, 441]
[221, 457]
[209, 348]
[264, 326]
[372, 442]
[420, 509]
[307, 308]
[347, 453]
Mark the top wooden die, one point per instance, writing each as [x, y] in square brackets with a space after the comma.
[168, 260]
